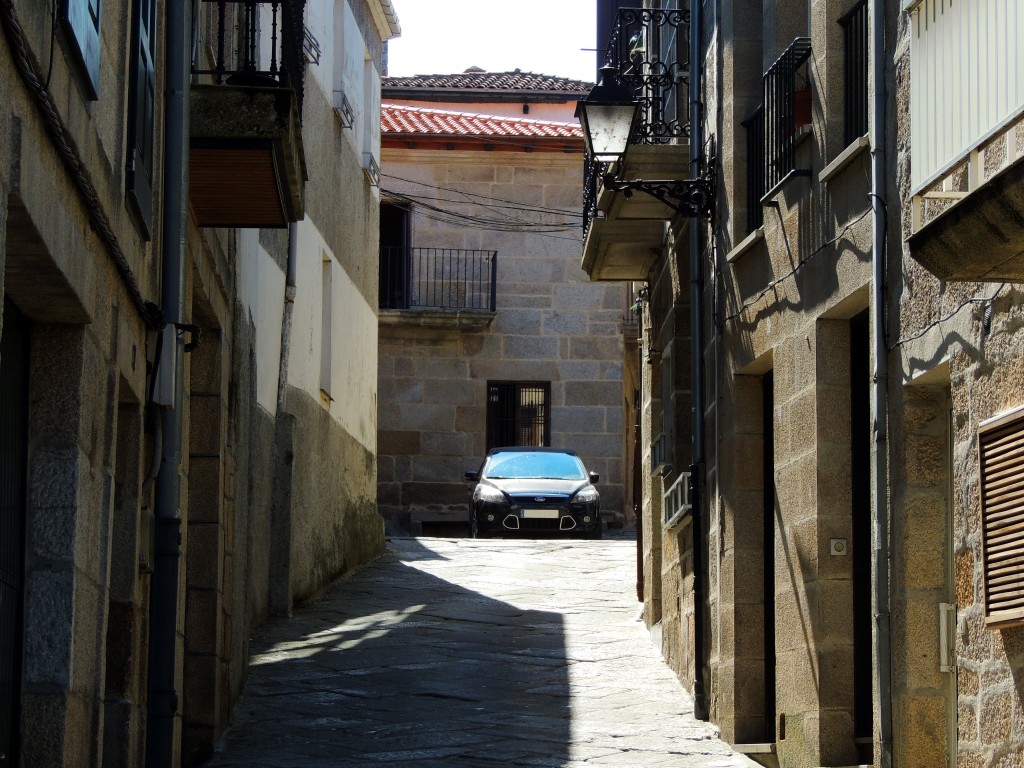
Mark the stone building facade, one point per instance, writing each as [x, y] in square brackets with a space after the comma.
[955, 309]
[830, 379]
[510, 343]
[184, 450]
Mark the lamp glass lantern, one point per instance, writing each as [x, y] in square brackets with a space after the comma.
[607, 117]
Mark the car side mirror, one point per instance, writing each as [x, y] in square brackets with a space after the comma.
[473, 476]
[594, 477]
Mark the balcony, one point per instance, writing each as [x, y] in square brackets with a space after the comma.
[787, 109]
[438, 288]
[624, 231]
[967, 132]
[246, 162]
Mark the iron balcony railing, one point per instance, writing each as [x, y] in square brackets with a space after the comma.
[786, 108]
[755, 168]
[650, 49]
[855, 72]
[676, 501]
[441, 279]
[254, 43]
[593, 171]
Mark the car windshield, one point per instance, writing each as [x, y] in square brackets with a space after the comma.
[553, 466]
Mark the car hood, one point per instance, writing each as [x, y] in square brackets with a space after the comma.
[522, 486]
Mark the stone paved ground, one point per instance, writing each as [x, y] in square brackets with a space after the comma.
[462, 652]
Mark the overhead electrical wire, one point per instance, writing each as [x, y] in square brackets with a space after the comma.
[475, 196]
[424, 205]
[499, 214]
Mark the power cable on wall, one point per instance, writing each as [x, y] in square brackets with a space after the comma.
[781, 279]
[63, 144]
[949, 316]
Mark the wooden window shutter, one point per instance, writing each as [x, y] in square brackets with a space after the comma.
[1001, 460]
[81, 20]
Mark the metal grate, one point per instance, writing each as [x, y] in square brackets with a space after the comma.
[650, 49]
[438, 279]
[517, 414]
[676, 501]
[755, 169]
[257, 43]
[1001, 463]
[593, 172]
[782, 101]
[855, 72]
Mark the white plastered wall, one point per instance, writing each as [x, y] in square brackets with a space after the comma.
[353, 365]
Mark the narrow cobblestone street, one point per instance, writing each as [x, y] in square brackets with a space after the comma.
[462, 652]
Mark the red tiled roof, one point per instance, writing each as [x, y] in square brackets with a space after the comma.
[396, 119]
[490, 81]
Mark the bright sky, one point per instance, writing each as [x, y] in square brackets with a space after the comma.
[450, 36]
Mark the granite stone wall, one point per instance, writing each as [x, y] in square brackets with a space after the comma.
[551, 325]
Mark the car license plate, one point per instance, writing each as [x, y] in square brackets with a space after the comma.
[544, 514]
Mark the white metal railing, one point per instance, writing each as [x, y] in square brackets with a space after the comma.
[676, 500]
[967, 79]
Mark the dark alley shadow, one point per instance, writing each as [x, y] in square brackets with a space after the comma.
[398, 667]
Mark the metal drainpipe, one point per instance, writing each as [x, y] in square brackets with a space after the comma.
[289, 306]
[163, 698]
[880, 380]
[697, 366]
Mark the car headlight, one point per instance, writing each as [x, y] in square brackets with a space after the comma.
[488, 493]
[587, 495]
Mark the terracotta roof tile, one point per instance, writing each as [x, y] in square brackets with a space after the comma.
[491, 81]
[439, 122]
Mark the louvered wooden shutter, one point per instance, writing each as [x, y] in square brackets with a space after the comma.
[1001, 452]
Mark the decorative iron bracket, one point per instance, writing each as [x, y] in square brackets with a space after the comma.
[688, 197]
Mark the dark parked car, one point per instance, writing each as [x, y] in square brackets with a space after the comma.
[534, 490]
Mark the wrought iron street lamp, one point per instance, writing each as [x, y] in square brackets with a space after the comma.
[608, 116]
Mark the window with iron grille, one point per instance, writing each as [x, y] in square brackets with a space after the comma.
[1001, 462]
[518, 413]
[755, 169]
[855, 72]
[787, 101]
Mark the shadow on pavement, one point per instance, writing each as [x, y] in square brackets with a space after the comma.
[396, 667]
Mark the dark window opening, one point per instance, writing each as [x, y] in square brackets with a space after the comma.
[755, 169]
[855, 72]
[518, 414]
[394, 264]
[14, 365]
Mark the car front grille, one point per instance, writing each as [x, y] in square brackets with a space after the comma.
[539, 500]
